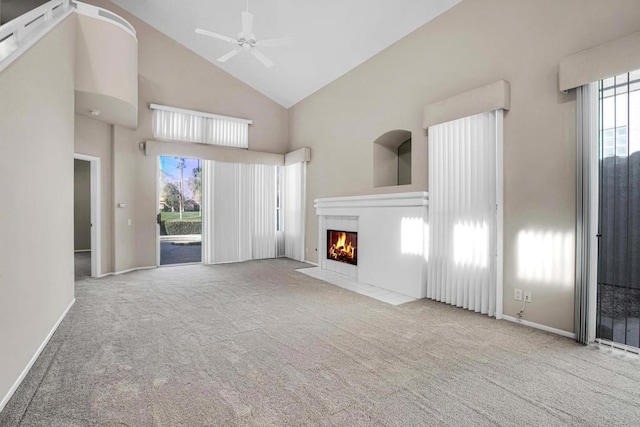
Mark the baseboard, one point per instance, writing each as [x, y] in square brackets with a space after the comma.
[26, 370]
[117, 273]
[81, 250]
[539, 326]
[312, 263]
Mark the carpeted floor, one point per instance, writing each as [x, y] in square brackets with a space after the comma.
[260, 344]
[82, 261]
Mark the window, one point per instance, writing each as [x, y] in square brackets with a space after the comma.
[176, 124]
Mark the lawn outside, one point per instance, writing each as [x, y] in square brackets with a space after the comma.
[168, 216]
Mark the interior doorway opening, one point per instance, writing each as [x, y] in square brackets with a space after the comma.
[86, 215]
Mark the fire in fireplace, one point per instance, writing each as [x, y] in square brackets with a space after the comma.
[342, 246]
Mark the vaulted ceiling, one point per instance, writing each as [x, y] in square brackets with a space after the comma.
[331, 37]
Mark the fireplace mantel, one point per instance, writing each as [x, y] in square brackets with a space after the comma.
[392, 233]
[415, 199]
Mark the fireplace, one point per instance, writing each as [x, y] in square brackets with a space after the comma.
[342, 246]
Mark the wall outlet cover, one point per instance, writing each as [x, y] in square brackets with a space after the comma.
[527, 296]
[517, 294]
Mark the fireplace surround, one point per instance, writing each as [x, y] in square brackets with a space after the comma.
[391, 232]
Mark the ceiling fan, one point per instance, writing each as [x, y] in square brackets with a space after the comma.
[246, 41]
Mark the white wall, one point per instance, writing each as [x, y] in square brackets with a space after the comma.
[36, 216]
[475, 43]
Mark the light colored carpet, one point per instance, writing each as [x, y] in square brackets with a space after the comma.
[258, 343]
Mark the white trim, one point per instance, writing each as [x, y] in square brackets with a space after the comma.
[614, 346]
[594, 214]
[96, 217]
[33, 35]
[81, 250]
[539, 326]
[311, 262]
[158, 172]
[499, 214]
[27, 368]
[130, 270]
[199, 113]
[104, 15]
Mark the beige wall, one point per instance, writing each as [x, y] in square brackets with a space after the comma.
[106, 72]
[94, 138]
[475, 43]
[81, 205]
[36, 219]
[172, 75]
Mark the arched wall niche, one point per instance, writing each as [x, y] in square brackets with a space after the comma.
[392, 159]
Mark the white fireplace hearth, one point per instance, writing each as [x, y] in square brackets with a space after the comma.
[392, 239]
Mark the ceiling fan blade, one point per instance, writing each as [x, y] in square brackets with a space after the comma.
[247, 24]
[288, 41]
[216, 36]
[227, 56]
[260, 56]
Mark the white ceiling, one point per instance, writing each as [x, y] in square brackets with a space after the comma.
[331, 37]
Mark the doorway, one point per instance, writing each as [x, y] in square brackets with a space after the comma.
[618, 278]
[179, 215]
[86, 211]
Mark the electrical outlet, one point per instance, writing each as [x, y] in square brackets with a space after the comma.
[517, 294]
[527, 296]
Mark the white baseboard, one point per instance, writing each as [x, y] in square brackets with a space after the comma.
[82, 250]
[26, 370]
[539, 326]
[312, 263]
[117, 273]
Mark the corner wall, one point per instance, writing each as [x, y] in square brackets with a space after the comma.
[475, 43]
[94, 138]
[36, 216]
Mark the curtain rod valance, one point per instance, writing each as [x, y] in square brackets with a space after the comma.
[494, 96]
[198, 113]
[600, 62]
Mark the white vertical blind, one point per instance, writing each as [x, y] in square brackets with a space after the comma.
[239, 212]
[263, 243]
[293, 204]
[227, 133]
[192, 126]
[462, 213]
[177, 126]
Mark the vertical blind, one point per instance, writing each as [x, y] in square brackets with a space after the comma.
[293, 204]
[192, 126]
[462, 213]
[239, 207]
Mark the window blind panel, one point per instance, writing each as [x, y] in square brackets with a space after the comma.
[227, 133]
[181, 126]
[264, 208]
[176, 126]
[462, 213]
[294, 199]
[240, 206]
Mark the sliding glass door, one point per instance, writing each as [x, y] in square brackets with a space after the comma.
[180, 214]
[618, 292]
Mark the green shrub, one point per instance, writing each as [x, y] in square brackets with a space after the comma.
[179, 227]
